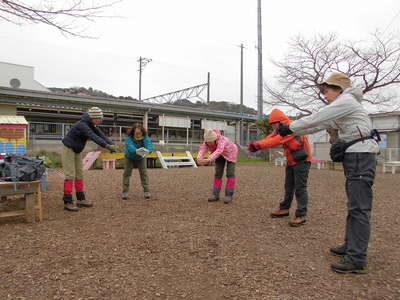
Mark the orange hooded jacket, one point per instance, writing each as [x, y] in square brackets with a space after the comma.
[289, 142]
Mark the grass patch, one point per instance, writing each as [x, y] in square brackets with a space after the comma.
[244, 159]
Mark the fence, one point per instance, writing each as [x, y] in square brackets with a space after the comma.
[173, 138]
[389, 154]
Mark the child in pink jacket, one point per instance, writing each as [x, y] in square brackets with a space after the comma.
[222, 151]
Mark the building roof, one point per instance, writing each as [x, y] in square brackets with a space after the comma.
[13, 120]
[12, 64]
[32, 98]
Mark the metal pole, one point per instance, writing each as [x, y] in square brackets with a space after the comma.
[163, 124]
[241, 95]
[140, 78]
[146, 120]
[208, 87]
[27, 136]
[260, 66]
[187, 131]
[248, 133]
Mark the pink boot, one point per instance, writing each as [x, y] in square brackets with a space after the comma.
[216, 190]
[230, 188]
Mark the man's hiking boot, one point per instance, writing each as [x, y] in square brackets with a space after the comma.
[297, 221]
[279, 213]
[339, 251]
[345, 267]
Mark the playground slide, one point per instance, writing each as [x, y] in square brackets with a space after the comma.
[89, 159]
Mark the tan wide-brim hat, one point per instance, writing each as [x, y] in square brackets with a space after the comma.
[338, 79]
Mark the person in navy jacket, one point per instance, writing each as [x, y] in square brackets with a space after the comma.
[71, 154]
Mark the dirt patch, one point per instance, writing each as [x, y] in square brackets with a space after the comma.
[179, 246]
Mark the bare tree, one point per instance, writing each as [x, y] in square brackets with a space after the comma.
[59, 14]
[373, 65]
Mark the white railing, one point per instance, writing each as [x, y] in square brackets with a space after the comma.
[389, 154]
[56, 131]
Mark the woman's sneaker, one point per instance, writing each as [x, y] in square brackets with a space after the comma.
[228, 199]
[147, 195]
[213, 198]
[71, 206]
[125, 196]
[84, 203]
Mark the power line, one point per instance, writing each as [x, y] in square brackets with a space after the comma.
[392, 21]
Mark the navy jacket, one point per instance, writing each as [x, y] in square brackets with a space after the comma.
[131, 145]
[83, 130]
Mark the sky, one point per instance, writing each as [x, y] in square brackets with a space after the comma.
[186, 39]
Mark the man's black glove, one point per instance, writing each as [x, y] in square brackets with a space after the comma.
[284, 129]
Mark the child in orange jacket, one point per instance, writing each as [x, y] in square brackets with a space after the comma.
[298, 155]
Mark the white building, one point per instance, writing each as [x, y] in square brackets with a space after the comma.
[19, 76]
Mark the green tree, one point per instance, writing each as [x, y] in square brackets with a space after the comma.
[264, 126]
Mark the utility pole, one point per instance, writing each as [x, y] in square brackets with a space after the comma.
[241, 93]
[208, 88]
[260, 66]
[142, 63]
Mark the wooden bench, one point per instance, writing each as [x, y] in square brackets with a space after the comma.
[390, 164]
[32, 195]
[151, 158]
[109, 163]
[178, 160]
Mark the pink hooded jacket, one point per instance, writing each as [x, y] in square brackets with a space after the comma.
[223, 146]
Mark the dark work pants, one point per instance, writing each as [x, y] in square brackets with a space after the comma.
[296, 184]
[131, 164]
[220, 165]
[359, 169]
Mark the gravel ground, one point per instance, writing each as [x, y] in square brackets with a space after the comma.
[179, 246]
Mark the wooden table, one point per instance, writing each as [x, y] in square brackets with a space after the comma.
[33, 199]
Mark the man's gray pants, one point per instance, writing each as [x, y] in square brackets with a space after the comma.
[296, 183]
[359, 169]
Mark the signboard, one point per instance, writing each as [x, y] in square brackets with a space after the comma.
[168, 121]
[221, 125]
[387, 123]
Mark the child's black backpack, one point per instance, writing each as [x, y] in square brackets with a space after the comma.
[21, 168]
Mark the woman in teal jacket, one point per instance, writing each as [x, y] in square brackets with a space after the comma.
[135, 158]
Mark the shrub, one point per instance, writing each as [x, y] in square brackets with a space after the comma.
[52, 160]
